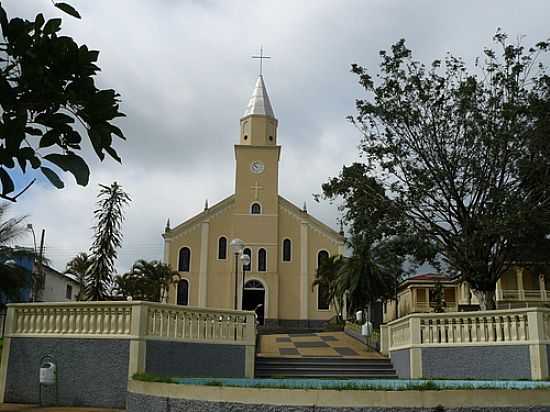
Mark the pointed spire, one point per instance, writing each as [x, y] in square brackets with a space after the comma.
[304, 209]
[259, 102]
[167, 228]
[341, 227]
[206, 205]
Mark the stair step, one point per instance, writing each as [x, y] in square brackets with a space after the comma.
[326, 375]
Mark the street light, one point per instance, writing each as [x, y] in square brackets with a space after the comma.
[237, 246]
[37, 280]
[245, 260]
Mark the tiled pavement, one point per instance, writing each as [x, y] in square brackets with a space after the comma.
[323, 344]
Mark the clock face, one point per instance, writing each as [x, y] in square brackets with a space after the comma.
[257, 167]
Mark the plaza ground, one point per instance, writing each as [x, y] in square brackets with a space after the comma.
[6, 407]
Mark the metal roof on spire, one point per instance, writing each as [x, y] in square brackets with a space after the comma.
[259, 102]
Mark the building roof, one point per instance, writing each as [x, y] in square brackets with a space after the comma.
[428, 278]
[259, 102]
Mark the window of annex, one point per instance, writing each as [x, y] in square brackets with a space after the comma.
[323, 302]
[183, 292]
[262, 260]
[287, 250]
[222, 247]
[184, 262]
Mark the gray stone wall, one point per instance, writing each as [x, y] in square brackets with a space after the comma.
[91, 372]
[183, 359]
[548, 356]
[477, 362]
[148, 403]
[401, 361]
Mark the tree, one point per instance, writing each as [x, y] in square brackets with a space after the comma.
[108, 238]
[326, 279]
[378, 237]
[12, 277]
[437, 298]
[462, 154]
[78, 268]
[48, 97]
[146, 281]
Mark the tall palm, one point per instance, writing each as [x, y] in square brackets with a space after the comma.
[146, 281]
[78, 268]
[108, 238]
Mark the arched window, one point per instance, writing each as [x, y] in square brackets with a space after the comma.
[255, 209]
[222, 248]
[253, 284]
[321, 256]
[287, 250]
[262, 260]
[247, 251]
[183, 292]
[184, 259]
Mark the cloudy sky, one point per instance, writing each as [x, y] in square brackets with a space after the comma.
[184, 73]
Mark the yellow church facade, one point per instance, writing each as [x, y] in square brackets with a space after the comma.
[284, 242]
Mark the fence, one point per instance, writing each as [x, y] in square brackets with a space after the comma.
[132, 319]
[519, 329]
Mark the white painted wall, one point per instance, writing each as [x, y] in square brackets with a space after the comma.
[55, 288]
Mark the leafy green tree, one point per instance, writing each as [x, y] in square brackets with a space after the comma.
[378, 237]
[48, 96]
[146, 281]
[437, 298]
[78, 268]
[108, 238]
[461, 154]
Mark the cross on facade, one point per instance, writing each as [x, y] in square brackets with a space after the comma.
[256, 188]
[261, 57]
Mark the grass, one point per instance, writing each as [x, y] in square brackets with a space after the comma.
[147, 377]
[427, 385]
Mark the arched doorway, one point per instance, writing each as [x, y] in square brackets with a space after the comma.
[254, 298]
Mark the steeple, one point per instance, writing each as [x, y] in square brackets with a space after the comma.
[258, 124]
[259, 101]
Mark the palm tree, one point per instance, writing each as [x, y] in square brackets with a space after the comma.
[78, 268]
[327, 279]
[146, 281]
[108, 238]
[12, 277]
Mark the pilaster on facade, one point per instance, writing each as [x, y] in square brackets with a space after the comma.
[304, 284]
[166, 261]
[203, 265]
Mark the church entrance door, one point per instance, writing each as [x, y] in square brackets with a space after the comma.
[254, 299]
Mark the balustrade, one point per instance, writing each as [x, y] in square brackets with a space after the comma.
[471, 328]
[114, 319]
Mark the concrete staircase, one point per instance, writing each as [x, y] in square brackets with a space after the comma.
[324, 367]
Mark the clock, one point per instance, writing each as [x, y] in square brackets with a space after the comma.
[257, 167]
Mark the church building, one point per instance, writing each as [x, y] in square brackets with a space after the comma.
[284, 242]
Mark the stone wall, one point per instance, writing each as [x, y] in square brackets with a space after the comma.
[185, 359]
[477, 362]
[401, 361]
[91, 372]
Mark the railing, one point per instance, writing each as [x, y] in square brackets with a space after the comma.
[523, 294]
[142, 320]
[179, 323]
[428, 307]
[499, 327]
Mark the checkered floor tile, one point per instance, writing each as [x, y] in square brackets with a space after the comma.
[324, 344]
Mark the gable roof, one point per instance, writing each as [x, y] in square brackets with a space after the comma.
[316, 223]
[218, 207]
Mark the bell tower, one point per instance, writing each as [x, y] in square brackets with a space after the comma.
[257, 166]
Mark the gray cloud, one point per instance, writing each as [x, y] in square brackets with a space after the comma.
[184, 72]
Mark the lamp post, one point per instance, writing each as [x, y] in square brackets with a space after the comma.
[237, 246]
[245, 260]
[37, 281]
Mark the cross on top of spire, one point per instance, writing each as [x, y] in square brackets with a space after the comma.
[261, 57]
